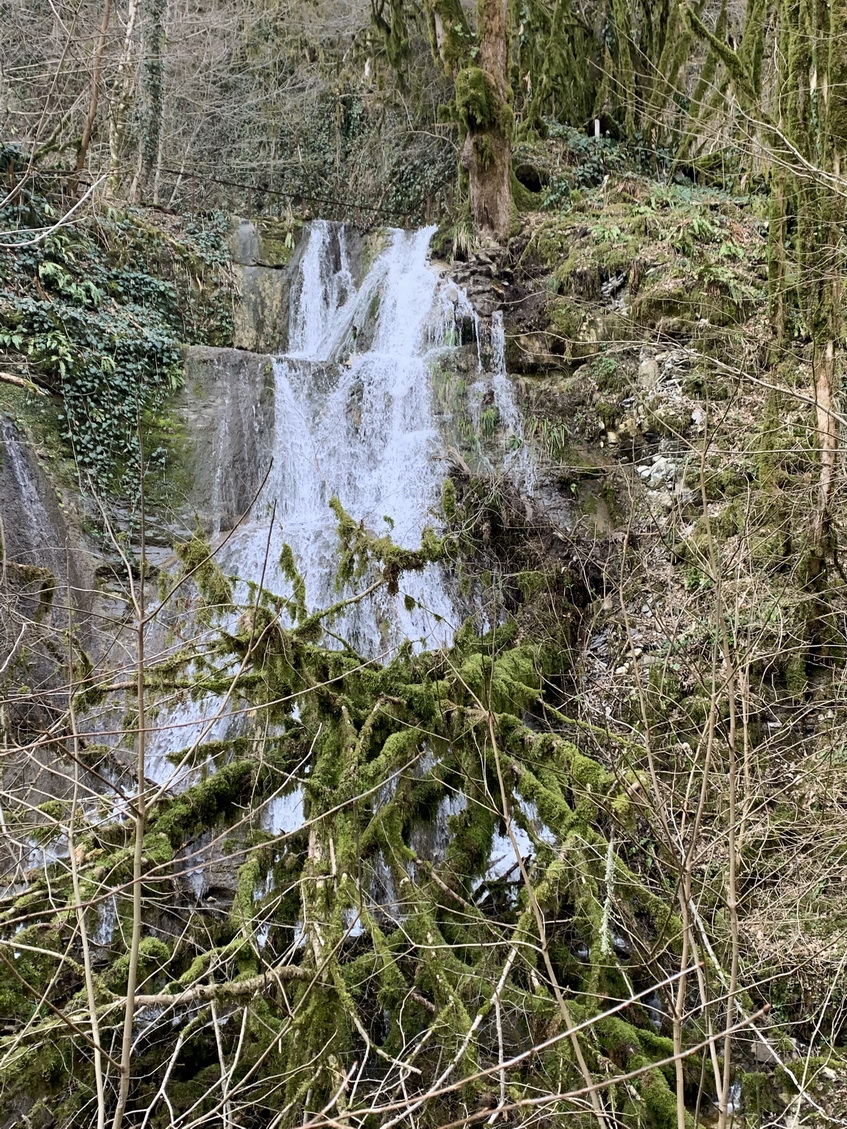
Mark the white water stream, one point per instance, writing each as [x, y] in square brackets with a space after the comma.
[354, 418]
[355, 421]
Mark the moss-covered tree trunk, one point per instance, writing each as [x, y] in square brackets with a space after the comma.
[832, 38]
[482, 98]
[810, 136]
[151, 101]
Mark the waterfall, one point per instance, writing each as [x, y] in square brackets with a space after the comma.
[355, 420]
[519, 460]
[32, 532]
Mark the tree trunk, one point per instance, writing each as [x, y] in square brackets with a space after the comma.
[824, 379]
[123, 88]
[811, 123]
[151, 91]
[827, 79]
[482, 98]
[96, 72]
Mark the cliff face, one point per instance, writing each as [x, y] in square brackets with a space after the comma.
[45, 604]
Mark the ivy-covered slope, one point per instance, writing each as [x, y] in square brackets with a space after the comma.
[95, 311]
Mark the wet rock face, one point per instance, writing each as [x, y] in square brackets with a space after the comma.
[43, 575]
[227, 412]
[263, 278]
[266, 258]
[483, 279]
[34, 530]
[45, 587]
[263, 291]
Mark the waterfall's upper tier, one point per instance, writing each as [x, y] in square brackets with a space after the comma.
[400, 306]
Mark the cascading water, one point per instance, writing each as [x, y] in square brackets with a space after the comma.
[519, 462]
[355, 421]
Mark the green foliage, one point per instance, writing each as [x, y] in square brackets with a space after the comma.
[101, 333]
[153, 958]
[199, 563]
[381, 752]
[360, 550]
[202, 806]
[589, 159]
[488, 420]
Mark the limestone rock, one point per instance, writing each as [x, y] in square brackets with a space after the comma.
[226, 411]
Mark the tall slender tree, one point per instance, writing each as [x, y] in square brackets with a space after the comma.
[483, 102]
[808, 213]
[477, 61]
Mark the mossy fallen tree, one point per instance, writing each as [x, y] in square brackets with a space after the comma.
[461, 920]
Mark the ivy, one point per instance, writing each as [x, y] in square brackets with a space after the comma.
[102, 333]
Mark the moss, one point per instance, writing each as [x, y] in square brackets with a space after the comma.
[719, 481]
[759, 1093]
[663, 691]
[483, 149]
[34, 968]
[25, 577]
[288, 567]
[167, 448]
[566, 318]
[548, 246]
[664, 298]
[609, 375]
[277, 239]
[796, 679]
[531, 583]
[510, 683]
[450, 37]
[770, 549]
[470, 841]
[476, 100]
[55, 810]
[660, 1101]
[523, 199]
[153, 957]
[201, 806]
[448, 499]
[378, 747]
[158, 849]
